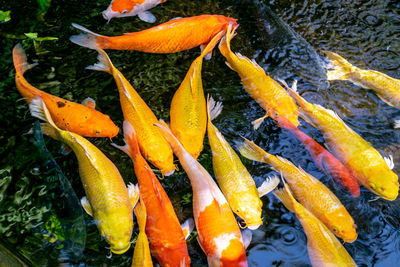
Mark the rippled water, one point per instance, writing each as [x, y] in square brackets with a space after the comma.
[367, 33]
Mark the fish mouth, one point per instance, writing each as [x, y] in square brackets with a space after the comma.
[120, 251]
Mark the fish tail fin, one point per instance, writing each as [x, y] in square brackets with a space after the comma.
[39, 110]
[87, 39]
[286, 197]
[225, 44]
[210, 46]
[131, 147]
[104, 62]
[251, 151]
[341, 68]
[49, 130]
[213, 108]
[170, 137]
[141, 215]
[19, 58]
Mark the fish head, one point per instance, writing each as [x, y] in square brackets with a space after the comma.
[116, 230]
[384, 183]
[343, 225]
[119, 8]
[249, 209]
[103, 127]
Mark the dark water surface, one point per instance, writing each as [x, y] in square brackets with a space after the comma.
[367, 33]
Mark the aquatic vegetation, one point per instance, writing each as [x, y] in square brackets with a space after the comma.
[5, 16]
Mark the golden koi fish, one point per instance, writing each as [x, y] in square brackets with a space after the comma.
[141, 255]
[188, 113]
[263, 89]
[152, 144]
[313, 194]
[386, 87]
[232, 176]
[323, 247]
[366, 164]
[108, 200]
[219, 235]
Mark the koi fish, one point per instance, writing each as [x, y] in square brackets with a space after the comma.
[128, 8]
[218, 233]
[386, 87]
[313, 194]
[323, 247]
[323, 159]
[188, 107]
[235, 181]
[153, 145]
[170, 37]
[80, 119]
[107, 200]
[365, 163]
[263, 89]
[166, 237]
[141, 254]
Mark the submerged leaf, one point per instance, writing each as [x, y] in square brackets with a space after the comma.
[4, 16]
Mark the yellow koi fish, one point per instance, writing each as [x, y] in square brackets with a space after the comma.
[108, 200]
[366, 164]
[152, 144]
[141, 255]
[323, 247]
[313, 194]
[235, 181]
[386, 87]
[263, 89]
[188, 113]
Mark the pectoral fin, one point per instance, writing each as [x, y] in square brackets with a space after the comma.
[133, 191]
[247, 236]
[86, 206]
[268, 185]
[257, 123]
[187, 227]
[147, 16]
[89, 102]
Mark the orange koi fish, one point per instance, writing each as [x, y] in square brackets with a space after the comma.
[107, 198]
[141, 254]
[218, 233]
[313, 194]
[365, 163]
[232, 176]
[127, 8]
[323, 159]
[323, 247]
[80, 119]
[263, 89]
[170, 37]
[166, 237]
[153, 145]
[188, 107]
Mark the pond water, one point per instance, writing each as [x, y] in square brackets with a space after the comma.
[367, 33]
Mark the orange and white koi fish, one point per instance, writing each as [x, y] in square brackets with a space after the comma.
[166, 237]
[365, 163]
[80, 119]
[386, 87]
[313, 194]
[268, 93]
[141, 254]
[218, 233]
[323, 247]
[170, 37]
[128, 8]
[153, 145]
[188, 113]
[107, 198]
[232, 176]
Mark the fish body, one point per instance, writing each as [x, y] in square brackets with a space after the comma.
[64, 200]
[232, 176]
[272, 97]
[323, 159]
[67, 115]
[153, 145]
[170, 37]
[364, 161]
[218, 233]
[141, 254]
[323, 247]
[386, 87]
[165, 234]
[188, 113]
[313, 194]
[107, 197]
[128, 8]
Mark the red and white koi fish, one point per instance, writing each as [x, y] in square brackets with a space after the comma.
[128, 8]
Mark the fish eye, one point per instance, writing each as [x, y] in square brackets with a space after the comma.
[334, 230]
[124, 11]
